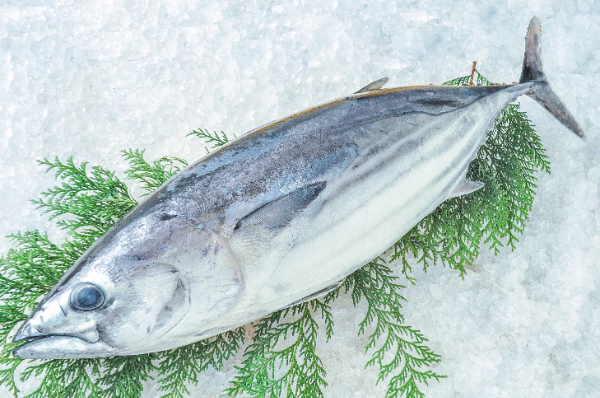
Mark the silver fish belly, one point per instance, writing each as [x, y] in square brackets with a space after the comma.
[275, 217]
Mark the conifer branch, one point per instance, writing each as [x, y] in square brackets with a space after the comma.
[123, 376]
[459, 81]
[282, 357]
[468, 80]
[293, 371]
[183, 365]
[213, 138]
[94, 199]
[495, 214]
[65, 378]
[151, 176]
[7, 373]
[409, 355]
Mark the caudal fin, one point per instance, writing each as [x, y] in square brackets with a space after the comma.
[541, 91]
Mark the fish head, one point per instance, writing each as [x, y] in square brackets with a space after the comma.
[101, 310]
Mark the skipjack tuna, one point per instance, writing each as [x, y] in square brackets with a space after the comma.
[276, 217]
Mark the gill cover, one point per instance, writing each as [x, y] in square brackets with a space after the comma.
[97, 314]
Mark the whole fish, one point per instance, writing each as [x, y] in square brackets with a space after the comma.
[276, 217]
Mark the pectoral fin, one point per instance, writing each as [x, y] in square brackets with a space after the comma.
[256, 234]
[278, 213]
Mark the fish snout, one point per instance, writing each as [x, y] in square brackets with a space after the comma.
[30, 331]
[50, 319]
[48, 334]
[27, 331]
[44, 317]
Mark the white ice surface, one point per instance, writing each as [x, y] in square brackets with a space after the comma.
[89, 78]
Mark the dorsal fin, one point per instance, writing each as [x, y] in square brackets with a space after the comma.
[376, 85]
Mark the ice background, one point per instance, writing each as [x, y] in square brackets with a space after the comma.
[89, 78]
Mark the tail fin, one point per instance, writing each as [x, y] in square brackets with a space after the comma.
[533, 72]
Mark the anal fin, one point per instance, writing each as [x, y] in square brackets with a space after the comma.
[465, 187]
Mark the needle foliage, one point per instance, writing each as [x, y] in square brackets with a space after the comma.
[495, 214]
[281, 357]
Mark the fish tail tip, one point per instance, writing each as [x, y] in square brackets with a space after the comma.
[532, 62]
[543, 94]
[533, 73]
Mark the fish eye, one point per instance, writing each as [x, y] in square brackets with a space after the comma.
[87, 297]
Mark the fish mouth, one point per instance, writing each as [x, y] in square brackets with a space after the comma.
[61, 346]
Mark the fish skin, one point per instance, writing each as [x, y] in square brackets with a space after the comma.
[275, 216]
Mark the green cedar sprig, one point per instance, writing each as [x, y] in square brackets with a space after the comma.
[95, 200]
[65, 378]
[30, 270]
[213, 139]
[506, 163]
[480, 80]
[459, 81]
[376, 284]
[292, 371]
[182, 366]
[151, 176]
[123, 376]
[269, 372]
